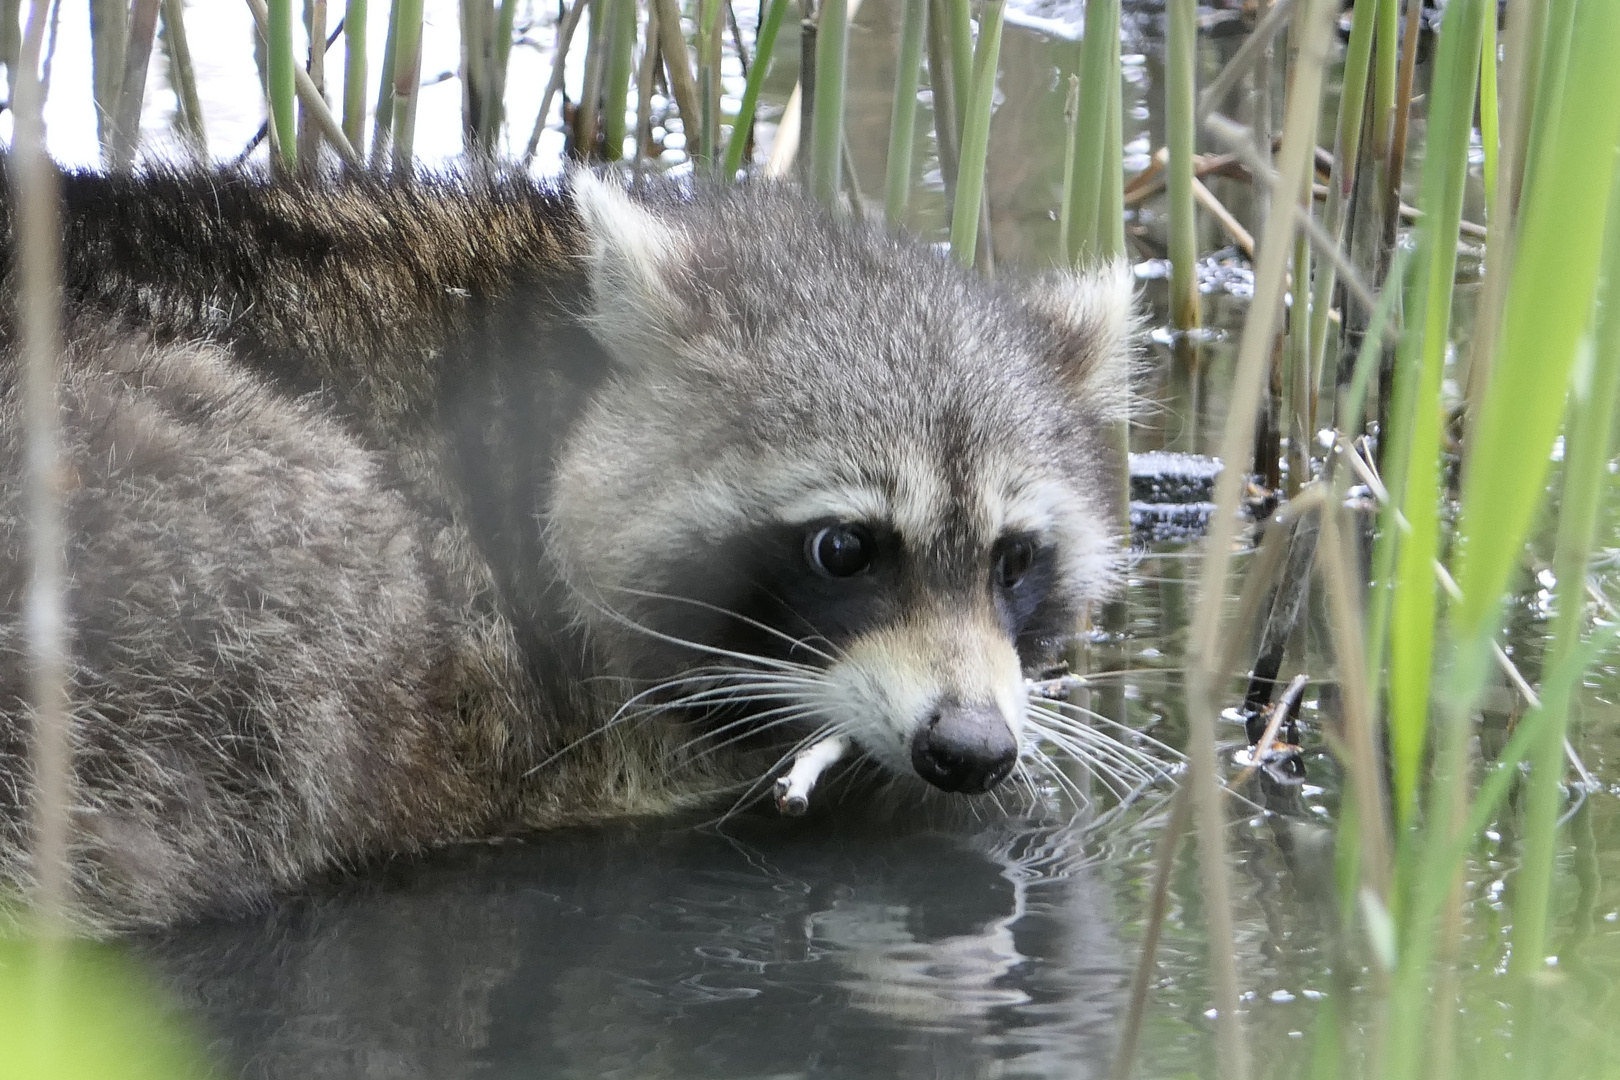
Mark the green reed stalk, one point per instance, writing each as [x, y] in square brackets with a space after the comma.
[1111, 203]
[616, 78]
[407, 82]
[960, 35]
[827, 120]
[354, 72]
[501, 55]
[184, 77]
[588, 115]
[1489, 133]
[1549, 304]
[976, 134]
[1071, 120]
[1560, 26]
[903, 115]
[1414, 454]
[1083, 244]
[1588, 442]
[477, 17]
[383, 120]
[705, 151]
[1181, 101]
[1521, 61]
[283, 136]
[1386, 58]
[764, 47]
[1346, 157]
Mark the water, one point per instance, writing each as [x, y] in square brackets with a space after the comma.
[825, 947]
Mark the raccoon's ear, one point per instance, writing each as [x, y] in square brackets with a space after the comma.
[633, 259]
[1094, 313]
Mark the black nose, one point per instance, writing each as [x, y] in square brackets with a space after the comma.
[966, 748]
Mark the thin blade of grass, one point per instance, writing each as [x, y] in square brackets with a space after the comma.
[764, 48]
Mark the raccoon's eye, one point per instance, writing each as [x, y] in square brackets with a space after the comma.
[1017, 556]
[841, 550]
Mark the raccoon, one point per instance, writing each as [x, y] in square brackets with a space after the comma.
[408, 513]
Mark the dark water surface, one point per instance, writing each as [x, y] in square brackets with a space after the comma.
[828, 948]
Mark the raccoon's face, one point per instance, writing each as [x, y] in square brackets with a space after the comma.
[836, 484]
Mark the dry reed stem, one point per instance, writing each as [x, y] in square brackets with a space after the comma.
[565, 37]
[1249, 384]
[126, 127]
[34, 186]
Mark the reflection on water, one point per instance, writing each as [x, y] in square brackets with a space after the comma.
[783, 949]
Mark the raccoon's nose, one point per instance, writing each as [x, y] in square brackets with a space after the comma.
[966, 748]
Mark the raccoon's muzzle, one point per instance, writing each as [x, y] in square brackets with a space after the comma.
[964, 748]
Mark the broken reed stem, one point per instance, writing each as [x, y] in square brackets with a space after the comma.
[126, 129]
[967, 210]
[38, 273]
[354, 72]
[184, 77]
[1248, 386]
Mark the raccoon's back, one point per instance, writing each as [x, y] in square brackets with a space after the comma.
[264, 665]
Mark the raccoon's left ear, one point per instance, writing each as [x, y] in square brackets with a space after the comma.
[634, 259]
[1094, 313]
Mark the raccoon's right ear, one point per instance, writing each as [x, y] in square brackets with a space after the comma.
[633, 260]
[1094, 313]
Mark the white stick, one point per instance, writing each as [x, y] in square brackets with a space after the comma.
[793, 790]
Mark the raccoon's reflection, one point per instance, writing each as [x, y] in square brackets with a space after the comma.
[663, 953]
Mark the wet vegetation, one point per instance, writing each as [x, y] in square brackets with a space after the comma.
[1415, 408]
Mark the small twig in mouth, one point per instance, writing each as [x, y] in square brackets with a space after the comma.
[793, 789]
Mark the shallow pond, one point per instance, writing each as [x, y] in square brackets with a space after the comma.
[828, 948]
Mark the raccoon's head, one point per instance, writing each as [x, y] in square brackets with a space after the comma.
[835, 483]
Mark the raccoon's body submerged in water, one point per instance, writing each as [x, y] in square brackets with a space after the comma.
[406, 514]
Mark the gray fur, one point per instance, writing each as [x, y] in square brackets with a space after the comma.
[372, 550]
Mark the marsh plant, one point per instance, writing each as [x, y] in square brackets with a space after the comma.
[1483, 435]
